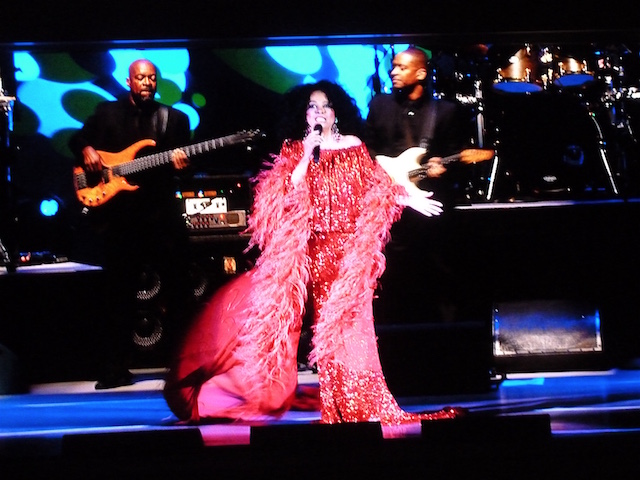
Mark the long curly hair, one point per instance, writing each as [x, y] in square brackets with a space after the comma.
[293, 123]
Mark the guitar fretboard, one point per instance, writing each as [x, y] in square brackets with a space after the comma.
[422, 171]
[162, 158]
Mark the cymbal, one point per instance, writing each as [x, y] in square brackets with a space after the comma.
[478, 49]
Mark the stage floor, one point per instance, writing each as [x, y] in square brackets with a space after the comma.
[576, 419]
[569, 424]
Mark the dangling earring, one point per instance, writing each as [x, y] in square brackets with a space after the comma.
[335, 131]
[307, 131]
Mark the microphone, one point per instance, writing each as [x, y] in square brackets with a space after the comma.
[316, 149]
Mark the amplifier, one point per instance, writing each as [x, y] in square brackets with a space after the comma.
[215, 204]
[212, 221]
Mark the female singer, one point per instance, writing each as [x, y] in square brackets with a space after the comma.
[321, 217]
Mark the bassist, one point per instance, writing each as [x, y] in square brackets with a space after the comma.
[137, 232]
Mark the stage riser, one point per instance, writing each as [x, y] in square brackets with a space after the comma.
[457, 268]
[49, 323]
[427, 359]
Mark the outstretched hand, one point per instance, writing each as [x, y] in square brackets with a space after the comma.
[398, 169]
[421, 202]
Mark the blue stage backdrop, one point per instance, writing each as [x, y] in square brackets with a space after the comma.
[544, 131]
[218, 88]
[222, 90]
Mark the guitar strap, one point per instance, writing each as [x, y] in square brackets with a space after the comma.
[161, 120]
[429, 126]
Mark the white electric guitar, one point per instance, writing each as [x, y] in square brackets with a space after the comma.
[406, 169]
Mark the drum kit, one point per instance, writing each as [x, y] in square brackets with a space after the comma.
[557, 115]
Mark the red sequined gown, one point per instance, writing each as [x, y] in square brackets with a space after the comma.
[352, 386]
[323, 238]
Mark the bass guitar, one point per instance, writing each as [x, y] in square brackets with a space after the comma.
[95, 189]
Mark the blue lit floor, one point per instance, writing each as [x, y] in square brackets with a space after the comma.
[577, 403]
[73, 430]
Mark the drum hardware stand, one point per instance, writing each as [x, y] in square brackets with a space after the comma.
[494, 173]
[603, 153]
[613, 102]
[496, 159]
[612, 73]
[480, 131]
[6, 108]
[480, 115]
[4, 254]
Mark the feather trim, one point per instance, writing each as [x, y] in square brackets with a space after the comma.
[361, 266]
[279, 225]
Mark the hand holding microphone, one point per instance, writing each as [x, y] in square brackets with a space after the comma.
[300, 171]
[316, 149]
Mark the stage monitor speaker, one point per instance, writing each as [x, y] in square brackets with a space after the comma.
[310, 438]
[521, 429]
[547, 335]
[141, 444]
[438, 358]
[345, 450]
[11, 380]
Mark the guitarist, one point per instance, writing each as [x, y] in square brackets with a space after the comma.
[137, 230]
[410, 117]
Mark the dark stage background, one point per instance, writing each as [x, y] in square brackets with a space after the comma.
[550, 138]
[228, 67]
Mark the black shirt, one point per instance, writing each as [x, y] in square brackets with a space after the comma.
[136, 220]
[117, 125]
[396, 123]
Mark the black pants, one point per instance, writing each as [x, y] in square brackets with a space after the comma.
[145, 277]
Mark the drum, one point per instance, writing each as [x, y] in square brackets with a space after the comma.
[451, 77]
[548, 146]
[520, 73]
[456, 73]
[571, 71]
[618, 70]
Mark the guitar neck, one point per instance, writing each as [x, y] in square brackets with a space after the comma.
[451, 158]
[421, 172]
[162, 158]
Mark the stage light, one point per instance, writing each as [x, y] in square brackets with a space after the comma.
[49, 207]
[547, 335]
